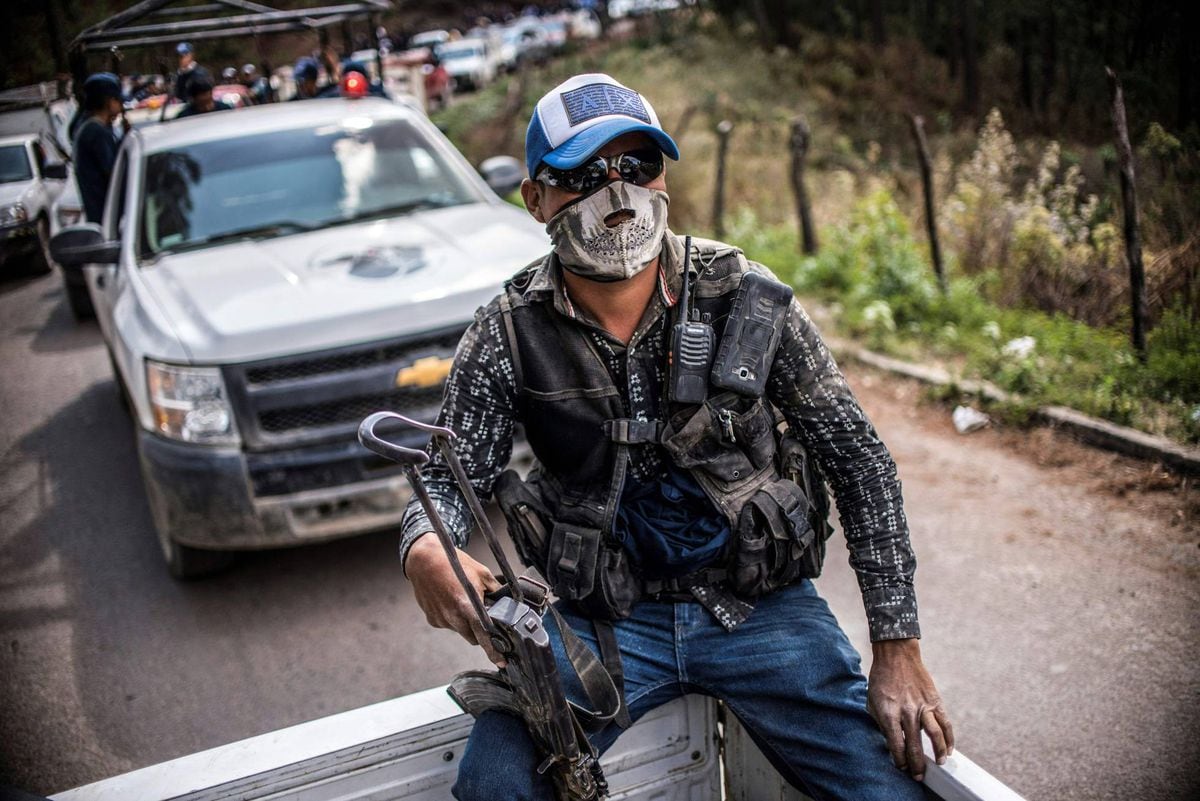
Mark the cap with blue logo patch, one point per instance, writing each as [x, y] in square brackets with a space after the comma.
[580, 115]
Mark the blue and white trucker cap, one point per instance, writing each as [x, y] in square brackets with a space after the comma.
[577, 117]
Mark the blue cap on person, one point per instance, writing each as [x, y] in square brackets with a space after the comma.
[306, 69]
[183, 48]
[577, 117]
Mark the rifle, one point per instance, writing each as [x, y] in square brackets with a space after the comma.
[513, 618]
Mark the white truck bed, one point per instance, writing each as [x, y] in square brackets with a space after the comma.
[408, 749]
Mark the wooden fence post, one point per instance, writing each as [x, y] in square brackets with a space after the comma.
[935, 248]
[724, 128]
[1133, 236]
[799, 147]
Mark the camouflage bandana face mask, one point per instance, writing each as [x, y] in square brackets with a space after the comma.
[589, 248]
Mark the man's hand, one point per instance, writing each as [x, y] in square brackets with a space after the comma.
[902, 699]
[442, 598]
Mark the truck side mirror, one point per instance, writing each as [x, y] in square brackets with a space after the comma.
[57, 172]
[502, 173]
[82, 244]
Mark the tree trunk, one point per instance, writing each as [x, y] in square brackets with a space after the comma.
[1025, 33]
[766, 31]
[878, 31]
[1188, 64]
[1133, 237]
[970, 56]
[1049, 62]
[799, 146]
[57, 48]
[935, 248]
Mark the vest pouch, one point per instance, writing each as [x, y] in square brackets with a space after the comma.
[572, 561]
[774, 536]
[751, 570]
[525, 513]
[617, 588]
[755, 432]
[798, 465]
[708, 439]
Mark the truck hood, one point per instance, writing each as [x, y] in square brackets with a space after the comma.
[341, 285]
[14, 192]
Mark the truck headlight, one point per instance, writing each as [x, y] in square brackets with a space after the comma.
[190, 404]
[13, 213]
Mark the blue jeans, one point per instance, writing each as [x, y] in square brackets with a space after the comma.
[788, 673]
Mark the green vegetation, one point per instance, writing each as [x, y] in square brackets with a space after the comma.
[875, 280]
[1037, 301]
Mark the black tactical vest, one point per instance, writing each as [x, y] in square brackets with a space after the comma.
[573, 419]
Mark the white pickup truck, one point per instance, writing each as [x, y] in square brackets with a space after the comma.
[29, 185]
[266, 277]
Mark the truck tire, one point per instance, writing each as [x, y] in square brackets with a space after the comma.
[77, 296]
[186, 563]
[39, 262]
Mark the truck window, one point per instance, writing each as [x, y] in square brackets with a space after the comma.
[284, 182]
[14, 164]
[114, 205]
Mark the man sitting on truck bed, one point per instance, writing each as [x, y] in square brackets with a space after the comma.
[674, 521]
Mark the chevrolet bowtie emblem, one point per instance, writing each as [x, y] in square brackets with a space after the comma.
[427, 372]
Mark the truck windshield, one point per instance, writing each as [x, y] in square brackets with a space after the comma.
[14, 164]
[285, 182]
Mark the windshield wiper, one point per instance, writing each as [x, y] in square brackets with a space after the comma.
[265, 231]
[431, 202]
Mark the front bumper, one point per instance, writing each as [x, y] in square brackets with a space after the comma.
[18, 239]
[224, 499]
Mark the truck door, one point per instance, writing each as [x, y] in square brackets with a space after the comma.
[106, 281]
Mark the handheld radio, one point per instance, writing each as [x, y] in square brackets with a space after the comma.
[691, 354]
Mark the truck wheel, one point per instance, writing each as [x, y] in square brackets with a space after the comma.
[78, 298]
[39, 260]
[185, 562]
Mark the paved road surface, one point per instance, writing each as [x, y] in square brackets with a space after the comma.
[1059, 619]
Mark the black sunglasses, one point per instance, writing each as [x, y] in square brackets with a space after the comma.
[636, 167]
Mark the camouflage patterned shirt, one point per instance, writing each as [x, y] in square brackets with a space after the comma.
[805, 384]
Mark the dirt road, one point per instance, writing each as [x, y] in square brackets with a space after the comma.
[1059, 602]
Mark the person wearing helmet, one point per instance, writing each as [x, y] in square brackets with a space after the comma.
[305, 74]
[95, 143]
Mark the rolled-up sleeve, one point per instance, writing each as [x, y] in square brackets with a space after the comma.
[811, 392]
[478, 407]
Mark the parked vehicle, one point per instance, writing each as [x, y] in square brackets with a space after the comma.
[522, 42]
[264, 278]
[429, 39]
[29, 185]
[471, 63]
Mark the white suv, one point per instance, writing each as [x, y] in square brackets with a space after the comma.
[265, 278]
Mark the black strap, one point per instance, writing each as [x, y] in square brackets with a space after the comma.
[627, 431]
[514, 351]
[599, 685]
[610, 653]
[707, 575]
